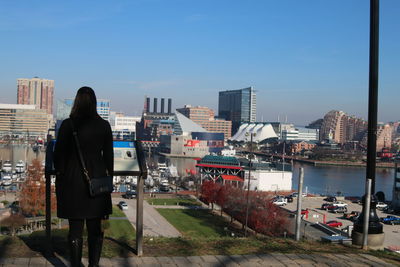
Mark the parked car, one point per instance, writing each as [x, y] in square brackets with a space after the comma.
[129, 195]
[280, 201]
[330, 199]
[295, 194]
[289, 199]
[352, 216]
[326, 206]
[388, 209]
[337, 209]
[354, 199]
[334, 223]
[339, 204]
[381, 205]
[391, 220]
[122, 205]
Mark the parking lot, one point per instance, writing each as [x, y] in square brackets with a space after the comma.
[392, 232]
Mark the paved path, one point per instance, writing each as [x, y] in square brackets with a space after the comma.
[272, 259]
[153, 223]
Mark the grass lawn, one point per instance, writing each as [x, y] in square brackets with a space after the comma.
[120, 229]
[173, 201]
[198, 223]
[117, 212]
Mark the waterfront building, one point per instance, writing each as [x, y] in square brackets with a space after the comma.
[238, 106]
[300, 133]
[300, 146]
[204, 116]
[267, 176]
[264, 176]
[190, 139]
[36, 91]
[124, 127]
[220, 169]
[260, 132]
[342, 128]
[383, 137]
[24, 121]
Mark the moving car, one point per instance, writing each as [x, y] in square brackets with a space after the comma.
[334, 223]
[122, 205]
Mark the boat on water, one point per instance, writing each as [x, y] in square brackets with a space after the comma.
[172, 171]
[20, 166]
[7, 179]
[164, 186]
[162, 167]
[7, 166]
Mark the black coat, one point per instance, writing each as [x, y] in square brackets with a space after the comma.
[95, 138]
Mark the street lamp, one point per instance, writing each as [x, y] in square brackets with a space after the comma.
[374, 227]
[248, 183]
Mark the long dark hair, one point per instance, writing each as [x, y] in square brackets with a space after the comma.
[85, 104]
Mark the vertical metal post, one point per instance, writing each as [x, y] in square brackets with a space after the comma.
[139, 216]
[48, 174]
[373, 92]
[248, 184]
[299, 197]
[374, 226]
[366, 214]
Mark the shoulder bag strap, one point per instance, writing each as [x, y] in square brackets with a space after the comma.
[75, 134]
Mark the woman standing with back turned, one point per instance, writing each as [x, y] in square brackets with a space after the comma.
[73, 199]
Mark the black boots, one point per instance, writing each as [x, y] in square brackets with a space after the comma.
[95, 244]
[75, 251]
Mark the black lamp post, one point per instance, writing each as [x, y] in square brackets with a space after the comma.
[374, 226]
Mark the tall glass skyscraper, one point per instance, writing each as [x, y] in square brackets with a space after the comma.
[238, 106]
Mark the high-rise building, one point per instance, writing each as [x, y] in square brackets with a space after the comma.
[238, 106]
[204, 116]
[342, 128]
[36, 91]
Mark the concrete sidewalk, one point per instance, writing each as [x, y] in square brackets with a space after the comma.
[272, 259]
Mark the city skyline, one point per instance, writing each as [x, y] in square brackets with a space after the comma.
[294, 55]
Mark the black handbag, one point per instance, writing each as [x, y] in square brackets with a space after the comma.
[98, 185]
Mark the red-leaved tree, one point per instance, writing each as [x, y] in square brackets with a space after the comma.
[263, 217]
[32, 195]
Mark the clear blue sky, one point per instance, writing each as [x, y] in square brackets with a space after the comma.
[304, 58]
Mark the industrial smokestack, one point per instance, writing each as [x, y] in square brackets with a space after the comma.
[169, 105]
[147, 108]
[162, 105]
[155, 105]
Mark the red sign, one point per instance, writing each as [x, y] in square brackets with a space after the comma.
[192, 143]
